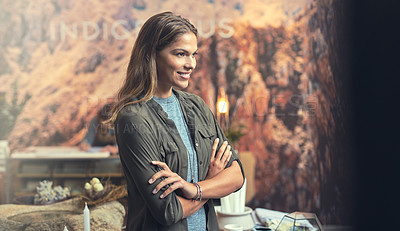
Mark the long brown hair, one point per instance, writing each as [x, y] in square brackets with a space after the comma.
[141, 77]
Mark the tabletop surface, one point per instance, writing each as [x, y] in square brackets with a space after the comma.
[59, 152]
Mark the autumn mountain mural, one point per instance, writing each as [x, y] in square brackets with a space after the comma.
[277, 61]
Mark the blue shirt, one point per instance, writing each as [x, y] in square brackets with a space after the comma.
[197, 221]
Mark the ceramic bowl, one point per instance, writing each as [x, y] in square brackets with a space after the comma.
[244, 219]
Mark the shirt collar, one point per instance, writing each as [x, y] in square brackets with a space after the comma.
[186, 104]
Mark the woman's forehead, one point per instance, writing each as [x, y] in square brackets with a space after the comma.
[186, 41]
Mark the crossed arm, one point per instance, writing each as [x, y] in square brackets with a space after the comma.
[220, 181]
[137, 150]
[216, 187]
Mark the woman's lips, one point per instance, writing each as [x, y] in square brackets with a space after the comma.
[184, 75]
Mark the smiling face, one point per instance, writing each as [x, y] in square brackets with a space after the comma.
[175, 64]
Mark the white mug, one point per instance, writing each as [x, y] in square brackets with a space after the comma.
[233, 227]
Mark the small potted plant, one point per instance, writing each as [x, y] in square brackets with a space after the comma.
[234, 132]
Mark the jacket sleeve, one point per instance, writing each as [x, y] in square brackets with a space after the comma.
[221, 135]
[137, 146]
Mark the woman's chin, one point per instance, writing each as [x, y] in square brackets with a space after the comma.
[182, 86]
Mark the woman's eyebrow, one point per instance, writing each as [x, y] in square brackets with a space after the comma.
[183, 50]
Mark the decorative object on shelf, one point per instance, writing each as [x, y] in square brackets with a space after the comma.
[300, 221]
[97, 193]
[94, 186]
[47, 194]
[95, 190]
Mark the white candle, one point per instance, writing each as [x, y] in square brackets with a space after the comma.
[225, 205]
[242, 196]
[86, 218]
[65, 228]
[234, 197]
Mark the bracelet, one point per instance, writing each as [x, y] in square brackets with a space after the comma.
[199, 194]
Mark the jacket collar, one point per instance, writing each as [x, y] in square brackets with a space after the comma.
[184, 98]
[186, 105]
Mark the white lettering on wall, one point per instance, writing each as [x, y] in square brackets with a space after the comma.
[115, 27]
[202, 32]
[95, 28]
[227, 30]
[72, 32]
[89, 30]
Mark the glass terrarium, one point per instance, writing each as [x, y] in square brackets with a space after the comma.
[299, 221]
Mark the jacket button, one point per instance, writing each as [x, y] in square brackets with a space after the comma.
[201, 162]
[197, 144]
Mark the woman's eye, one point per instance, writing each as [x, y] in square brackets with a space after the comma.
[181, 54]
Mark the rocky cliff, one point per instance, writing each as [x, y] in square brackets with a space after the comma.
[277, 60]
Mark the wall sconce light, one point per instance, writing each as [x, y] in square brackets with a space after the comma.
[222, 109]
[222, 106]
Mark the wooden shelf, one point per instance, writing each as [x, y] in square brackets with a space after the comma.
[113, 174]
[24, 173]
[33, 175]
[69, 175]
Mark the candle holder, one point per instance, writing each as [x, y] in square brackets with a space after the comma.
[243, 218]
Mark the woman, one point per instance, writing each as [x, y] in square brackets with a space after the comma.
[168, 140]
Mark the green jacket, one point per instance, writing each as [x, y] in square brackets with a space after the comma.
[144, 133]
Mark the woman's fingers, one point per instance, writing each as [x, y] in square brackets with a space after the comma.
[214, 149]
[225, 148]
[161, 173]
[227, 157]
[221, 159]
[171, 178]
[161, 164]
[176, 182]
[173, 187]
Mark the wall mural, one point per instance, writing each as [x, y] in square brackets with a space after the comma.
[277, 61]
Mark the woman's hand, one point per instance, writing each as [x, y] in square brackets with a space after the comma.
[188, 190]
[218, 161]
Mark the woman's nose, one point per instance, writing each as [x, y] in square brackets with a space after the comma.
[190, 63]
